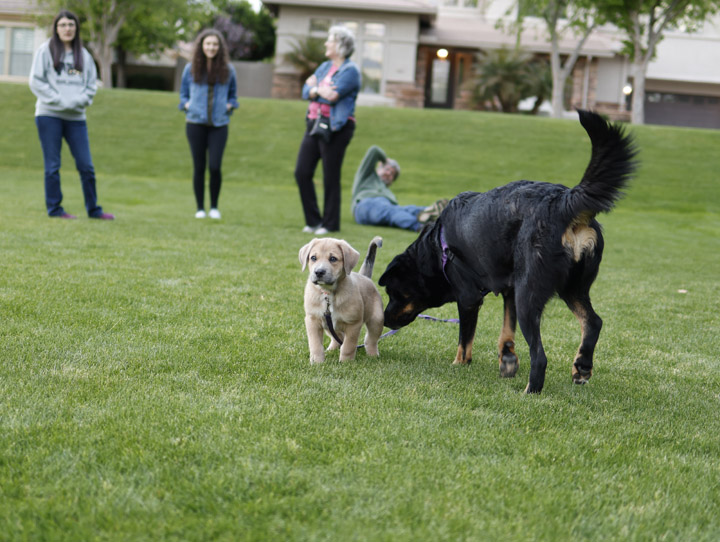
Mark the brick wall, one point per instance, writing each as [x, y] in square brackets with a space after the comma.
[286, 86]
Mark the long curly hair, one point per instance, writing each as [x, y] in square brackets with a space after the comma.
[219, 71]
[57, 47]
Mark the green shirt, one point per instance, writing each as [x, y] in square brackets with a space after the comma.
[367, 183]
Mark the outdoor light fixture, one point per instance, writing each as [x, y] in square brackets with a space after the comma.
[627, 89]
[442, 54]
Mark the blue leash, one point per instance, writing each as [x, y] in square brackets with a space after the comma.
[424, 317]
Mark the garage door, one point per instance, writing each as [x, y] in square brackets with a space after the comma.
[682, 110]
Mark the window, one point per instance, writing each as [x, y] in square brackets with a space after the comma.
[16, 50]
[352, 26]
[460, 3]
[21, 51]
[375, 30]
[372, 63]
[319, 27]
[2, 50]
[439, 84]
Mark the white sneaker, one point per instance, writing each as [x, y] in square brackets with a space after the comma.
[214, 213]
[322, 231]
[308, 229]
[200, 214]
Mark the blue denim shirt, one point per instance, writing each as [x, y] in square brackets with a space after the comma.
[347, 85]
[197, 94]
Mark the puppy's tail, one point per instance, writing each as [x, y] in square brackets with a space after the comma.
[611, 167]
[367, 266]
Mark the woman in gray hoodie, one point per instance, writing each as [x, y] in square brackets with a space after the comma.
[64, 79]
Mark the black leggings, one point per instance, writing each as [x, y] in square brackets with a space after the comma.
[207, 144]
[312, 150]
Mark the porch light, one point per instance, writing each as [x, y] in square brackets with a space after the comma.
[627, 89]
[442, 54]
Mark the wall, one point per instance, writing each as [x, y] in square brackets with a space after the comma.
[254, 79]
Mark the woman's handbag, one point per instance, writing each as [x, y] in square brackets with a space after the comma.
[321, 128]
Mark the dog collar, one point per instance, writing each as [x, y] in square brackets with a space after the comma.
[446, 253]
[328, 318]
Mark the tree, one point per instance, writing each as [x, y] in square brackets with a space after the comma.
[103, 20]
[306, 55]
[644, 23]
[507, 76]
[148, 30]
[562, 19]
[250, 35]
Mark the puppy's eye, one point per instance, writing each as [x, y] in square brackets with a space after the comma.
[333, 259]
[313, 258]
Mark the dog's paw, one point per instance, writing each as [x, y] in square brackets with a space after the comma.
[509, 362]
[317, 359]
[334, 345]
[532, 390]
[581, 376]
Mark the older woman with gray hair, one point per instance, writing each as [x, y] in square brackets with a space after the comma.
[330, 125]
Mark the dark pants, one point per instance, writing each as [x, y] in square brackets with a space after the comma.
[312, 150]
[207, 144]
[52, 130]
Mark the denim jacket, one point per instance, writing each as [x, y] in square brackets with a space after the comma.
[347, 85]
[197, 94]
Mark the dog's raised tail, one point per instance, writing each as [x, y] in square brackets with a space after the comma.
[367, 266]
[611, 166]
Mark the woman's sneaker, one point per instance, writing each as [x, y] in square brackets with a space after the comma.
[214, 213]
[200, 214]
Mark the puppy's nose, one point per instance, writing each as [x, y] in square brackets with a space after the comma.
[319, 273]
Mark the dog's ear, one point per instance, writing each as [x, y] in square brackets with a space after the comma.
[387, 273]
[305, 253]
[350, 256]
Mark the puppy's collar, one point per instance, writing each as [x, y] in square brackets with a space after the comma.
[328, 316]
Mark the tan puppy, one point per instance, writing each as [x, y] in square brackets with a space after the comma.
[336, 299]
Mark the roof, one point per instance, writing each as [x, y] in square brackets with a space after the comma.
[417, 7]
[478, 32]
[18, 7]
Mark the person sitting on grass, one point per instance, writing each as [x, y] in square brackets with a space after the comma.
[374, 204]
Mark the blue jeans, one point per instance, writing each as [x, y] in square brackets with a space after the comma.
[381, 212]
[52, 130]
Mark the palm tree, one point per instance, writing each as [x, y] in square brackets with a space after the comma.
[306, 55]
[507, 76]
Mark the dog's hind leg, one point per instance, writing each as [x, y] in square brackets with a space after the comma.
[509, 362]
[468, 322]
[590, 324]
[529, 311]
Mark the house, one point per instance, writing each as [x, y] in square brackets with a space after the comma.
[419, 53]
[416, 53]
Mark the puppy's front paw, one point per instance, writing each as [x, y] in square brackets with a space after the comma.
[317, 358]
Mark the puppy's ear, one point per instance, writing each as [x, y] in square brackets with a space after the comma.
[350, 256]
[304, 253]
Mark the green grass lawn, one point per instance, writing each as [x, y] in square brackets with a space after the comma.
[155, 383]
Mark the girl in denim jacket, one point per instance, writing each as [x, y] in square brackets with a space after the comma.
[332, 89]
[208, 95]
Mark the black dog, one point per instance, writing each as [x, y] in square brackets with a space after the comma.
[525, 240]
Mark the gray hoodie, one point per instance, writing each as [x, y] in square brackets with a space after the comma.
[65, 94]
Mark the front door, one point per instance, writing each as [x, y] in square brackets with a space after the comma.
[439, 85]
